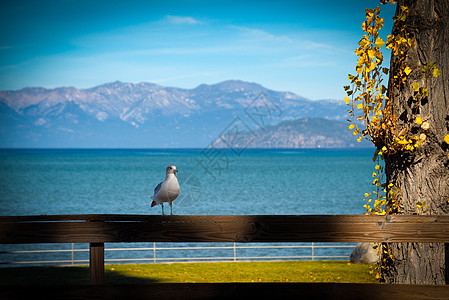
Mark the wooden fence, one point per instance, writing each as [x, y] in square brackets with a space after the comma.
[99, 229]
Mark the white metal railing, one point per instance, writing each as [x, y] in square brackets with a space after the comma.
[235, 247]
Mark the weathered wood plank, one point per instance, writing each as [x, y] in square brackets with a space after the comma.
[96, 263]
[231, 229]
[230, 291]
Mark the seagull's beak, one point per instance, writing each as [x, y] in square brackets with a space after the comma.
[176, 170]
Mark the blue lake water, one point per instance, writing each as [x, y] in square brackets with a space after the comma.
[213, 181]
[293, 181]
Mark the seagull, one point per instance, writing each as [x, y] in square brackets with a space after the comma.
[168, 190]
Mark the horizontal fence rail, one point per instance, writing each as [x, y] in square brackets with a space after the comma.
[144, 228]
[233, 253]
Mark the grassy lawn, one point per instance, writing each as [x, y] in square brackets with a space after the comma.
[285, 271]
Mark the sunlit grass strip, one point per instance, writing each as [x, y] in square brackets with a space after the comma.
[284, 271]
[319, 271]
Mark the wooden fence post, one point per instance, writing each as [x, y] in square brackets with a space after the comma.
[96, 263]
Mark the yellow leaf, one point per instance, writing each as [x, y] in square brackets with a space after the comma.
[360, 106]
[363, 42]
[379, 42]
[436, 72]
[364, 25]
[407, 71]
[374, 174]
[446, 139]
[415, 86]
[347, 100]
[418, 120]
[359, 139]
[351, 126]
[377, 167]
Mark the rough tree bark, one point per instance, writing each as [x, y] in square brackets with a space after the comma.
[423, 174]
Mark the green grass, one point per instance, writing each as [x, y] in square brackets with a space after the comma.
[285, 271]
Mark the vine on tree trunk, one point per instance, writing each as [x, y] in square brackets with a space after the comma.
[373, 106]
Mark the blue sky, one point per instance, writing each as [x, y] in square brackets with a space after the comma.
[305, 47]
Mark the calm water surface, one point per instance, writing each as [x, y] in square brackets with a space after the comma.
[295, 181]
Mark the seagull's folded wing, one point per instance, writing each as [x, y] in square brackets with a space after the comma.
[157, 188]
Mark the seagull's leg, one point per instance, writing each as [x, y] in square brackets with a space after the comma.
[162, 205]
[171, 209]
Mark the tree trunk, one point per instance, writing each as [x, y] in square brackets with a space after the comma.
[422, 174]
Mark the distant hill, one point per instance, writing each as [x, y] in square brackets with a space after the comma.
[300, 133]
[148, 115]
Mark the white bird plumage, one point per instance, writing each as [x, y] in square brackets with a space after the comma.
[167, 190]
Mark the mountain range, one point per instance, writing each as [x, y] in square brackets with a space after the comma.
[300, 133]
[147, 115]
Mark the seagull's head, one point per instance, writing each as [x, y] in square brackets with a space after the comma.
[171, 170]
